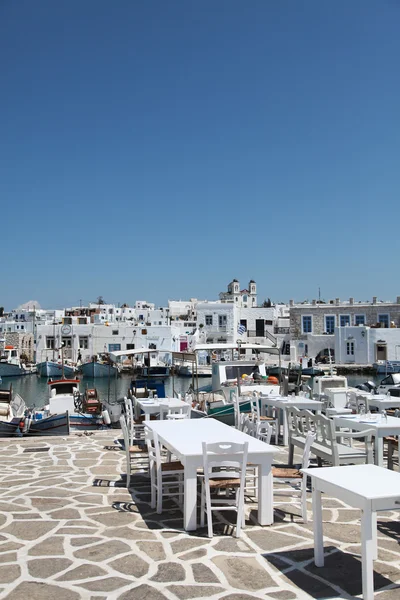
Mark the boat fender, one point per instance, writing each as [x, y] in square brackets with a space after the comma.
[21, 424]
[106, 417]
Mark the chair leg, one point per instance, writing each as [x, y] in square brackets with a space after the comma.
[202, 506]
[304, 499]
[153, 489]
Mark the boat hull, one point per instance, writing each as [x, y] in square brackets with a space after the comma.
[53, 369]
[9, 370]
[95, 369]
[10, 428]
[53, 425]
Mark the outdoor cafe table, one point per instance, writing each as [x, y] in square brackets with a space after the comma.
[153, 406]
[382, 428]
[380, 401]
[367, 487]
[184, 439]
[283, 402]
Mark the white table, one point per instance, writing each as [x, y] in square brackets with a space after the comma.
[380, 401]
[154, 406]
[367, 487]
[381, 427]
[184, 439]
[284, 402]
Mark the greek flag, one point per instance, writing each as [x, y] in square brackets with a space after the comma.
[241, 329]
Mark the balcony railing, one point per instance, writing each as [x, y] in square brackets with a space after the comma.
[282, 330]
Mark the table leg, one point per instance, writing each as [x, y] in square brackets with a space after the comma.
[190, 497]
[318, 532]
[378, 443]
[265, 495]
[367, 554]
[375, 534]
[285, 429]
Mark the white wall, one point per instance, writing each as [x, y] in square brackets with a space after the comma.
[365, 340]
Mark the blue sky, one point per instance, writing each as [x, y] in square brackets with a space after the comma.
[156, 150]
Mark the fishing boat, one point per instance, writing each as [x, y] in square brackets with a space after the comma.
[79, 411]
[50, 368]
[101, 367]
[12, 413]
[11, 364]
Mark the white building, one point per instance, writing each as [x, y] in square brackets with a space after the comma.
[366, 345]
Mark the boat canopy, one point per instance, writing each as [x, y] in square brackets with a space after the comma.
[258, 347]
[119, 353]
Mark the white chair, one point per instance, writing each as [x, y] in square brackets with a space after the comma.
[256, 416]
[135, 426]
[264, 431]
[224, 469]
[163, 475]
[292, 474]
[136, 455]
[178, 413]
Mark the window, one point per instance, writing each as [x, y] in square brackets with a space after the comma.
[130, 346]
[115, 331]
[222, 320]
[307, 324]
[22, 327]
[84, 342]
[344, 320]
[383, 320]
[350, 348]
[244, 297]
[114, 347]
[359, 319]
[268, 322]
[50, 343]
[67, 320]
[209, 320]
[330, 324]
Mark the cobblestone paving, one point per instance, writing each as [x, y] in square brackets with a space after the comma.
[69, 530]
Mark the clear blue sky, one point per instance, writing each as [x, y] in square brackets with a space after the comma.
[158, 149]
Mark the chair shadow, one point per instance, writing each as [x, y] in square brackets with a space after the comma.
[341, 569]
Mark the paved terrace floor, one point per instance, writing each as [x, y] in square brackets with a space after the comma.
[69, 530]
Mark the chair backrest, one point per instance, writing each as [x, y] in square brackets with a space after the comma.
[255, 406]
[236, 409]
[310, 439]
[248, 425]
[225, 459]
[264, 431]
[182, 412]
[153, 449]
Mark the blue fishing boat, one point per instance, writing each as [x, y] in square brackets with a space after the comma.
[50, 368]
[95, 368]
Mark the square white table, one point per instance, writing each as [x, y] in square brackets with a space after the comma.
[380, 401]
[153, 406]
[381, 427]
[184, 439]
[284, 402]
[367, 487]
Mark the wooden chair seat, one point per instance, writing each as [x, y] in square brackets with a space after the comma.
[391, 440]
[286, 473]
[172, 466]
[216, 484]
[138, 449]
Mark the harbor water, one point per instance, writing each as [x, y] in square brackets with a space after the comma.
[34, 389]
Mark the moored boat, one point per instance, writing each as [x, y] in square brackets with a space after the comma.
[12, 413]
[50, 368]
[96, 368]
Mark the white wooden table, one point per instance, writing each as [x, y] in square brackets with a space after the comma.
[367, 487]
[381, 427]
[380, 401]
[153, 406]
[184, 439]
[283, 402]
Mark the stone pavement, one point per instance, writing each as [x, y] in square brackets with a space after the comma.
[69, 530]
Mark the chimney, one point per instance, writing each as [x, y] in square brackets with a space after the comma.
[398, 300]
[374, 299]
[291, 302]
[351, 301]
[337, 301]
[314, 302]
